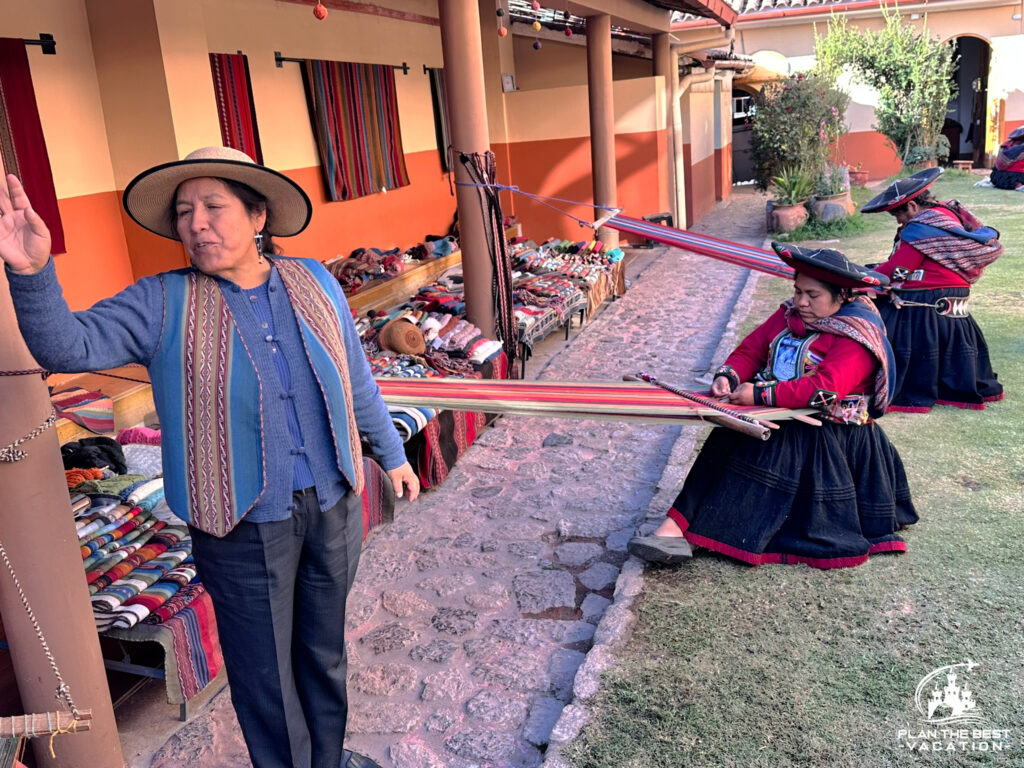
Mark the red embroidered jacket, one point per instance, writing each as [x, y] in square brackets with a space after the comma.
[823, 366]
[931, 275]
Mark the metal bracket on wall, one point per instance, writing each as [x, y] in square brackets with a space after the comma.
[46, 41]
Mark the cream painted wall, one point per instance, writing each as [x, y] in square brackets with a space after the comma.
[558, 64]
[270, 26]
[186, 59]
[67, 93]
[543, 114]
[698, 106]
[1006, 80]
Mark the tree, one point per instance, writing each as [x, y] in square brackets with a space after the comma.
[912, 72]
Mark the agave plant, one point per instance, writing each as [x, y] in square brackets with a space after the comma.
[792, 186]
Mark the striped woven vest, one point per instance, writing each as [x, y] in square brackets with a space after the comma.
[209, 397]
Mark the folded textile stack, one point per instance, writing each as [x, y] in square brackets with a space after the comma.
[365, 265]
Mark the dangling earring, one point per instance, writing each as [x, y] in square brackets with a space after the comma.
[258, 237]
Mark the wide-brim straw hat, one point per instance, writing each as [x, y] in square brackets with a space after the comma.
[150, 195]
[829, 266]
[902, 191]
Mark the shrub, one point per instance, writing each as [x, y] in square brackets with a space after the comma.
[793, 125]
[792, 186]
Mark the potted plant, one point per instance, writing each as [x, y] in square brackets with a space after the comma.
[858, 176]
[832, 200]
[787, 211]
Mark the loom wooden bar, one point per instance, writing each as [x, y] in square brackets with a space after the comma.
[467, 107]
[38, 533]
[45, 723]
[602, 117]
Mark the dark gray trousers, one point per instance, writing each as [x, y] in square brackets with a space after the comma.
[279, 593]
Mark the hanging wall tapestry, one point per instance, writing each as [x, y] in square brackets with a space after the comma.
[235, 107]
[439, 95]
[22, 145]
[354, 111]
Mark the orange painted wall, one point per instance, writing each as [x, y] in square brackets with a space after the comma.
[561, 168]
[401, 218]
[700, 186]
[723, 172]
[96, 264]
[872, 150]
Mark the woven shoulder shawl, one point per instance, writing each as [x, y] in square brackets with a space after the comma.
[858, 320]
[943, 239]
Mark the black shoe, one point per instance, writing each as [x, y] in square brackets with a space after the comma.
[352, 759]
[667, 550]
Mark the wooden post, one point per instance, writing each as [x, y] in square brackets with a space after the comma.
[467, 109]
[38, 532]
[602, 117]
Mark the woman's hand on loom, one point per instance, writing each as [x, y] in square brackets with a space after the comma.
[405, 481]
[24, 237]
[721, 387]
[744, 394]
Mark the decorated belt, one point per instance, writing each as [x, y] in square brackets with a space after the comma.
[947, 306]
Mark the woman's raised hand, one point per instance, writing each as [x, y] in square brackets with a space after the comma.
[24, 236]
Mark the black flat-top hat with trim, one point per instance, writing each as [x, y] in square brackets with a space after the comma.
[829, 266]
[901, 191]
[149, 196]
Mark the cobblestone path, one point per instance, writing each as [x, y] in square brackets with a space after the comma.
[473, 612]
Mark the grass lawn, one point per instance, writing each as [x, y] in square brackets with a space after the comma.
[789, 666]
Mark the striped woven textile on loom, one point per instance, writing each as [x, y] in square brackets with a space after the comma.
[723, 250]
[354, 111]
[606, 401]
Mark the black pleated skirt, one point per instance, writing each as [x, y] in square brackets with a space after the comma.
[1006, 179]
[940, 360]
[825, 496]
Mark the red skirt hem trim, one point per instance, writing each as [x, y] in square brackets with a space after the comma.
[778, 558]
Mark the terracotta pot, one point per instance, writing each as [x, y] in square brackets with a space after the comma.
[859, 178]
[785, 218]
[832, 207]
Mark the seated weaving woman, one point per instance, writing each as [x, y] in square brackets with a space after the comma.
[829, 495]
[940, 250]
[1008, 172]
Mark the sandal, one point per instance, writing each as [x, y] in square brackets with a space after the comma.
[352, 759]
[667, 550]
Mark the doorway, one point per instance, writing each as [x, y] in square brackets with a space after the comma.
[743, 105]
[967, 114]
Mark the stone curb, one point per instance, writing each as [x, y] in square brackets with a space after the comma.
[616, 625]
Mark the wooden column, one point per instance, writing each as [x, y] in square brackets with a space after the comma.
[38, 532]
[662, 61]
[602, 116]
[467, 109]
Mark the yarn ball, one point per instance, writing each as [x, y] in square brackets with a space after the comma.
[319, 11]
[502, 31]
[568, 31]
[535, 5]
[500, 12]
[536, 45]
[536, 25]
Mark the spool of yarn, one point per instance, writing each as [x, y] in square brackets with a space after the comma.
[403, 337]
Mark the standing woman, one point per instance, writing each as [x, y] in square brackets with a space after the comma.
[827, 496]
[262, 391]
[939, 251]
